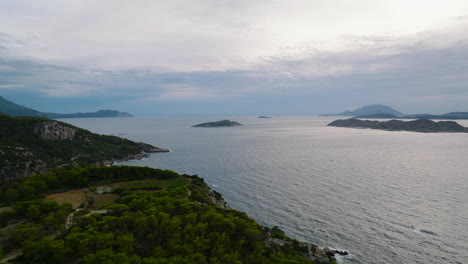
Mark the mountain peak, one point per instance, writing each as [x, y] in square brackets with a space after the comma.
[372, 110]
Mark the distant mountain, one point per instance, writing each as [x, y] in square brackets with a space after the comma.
[372, 110]
[378, 116]
[12, 109]
[451, 115]
[100, 113]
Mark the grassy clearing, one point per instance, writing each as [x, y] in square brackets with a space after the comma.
[151, 184]
[100, 201]
[75, 197]
[103, 189]
[6, 209]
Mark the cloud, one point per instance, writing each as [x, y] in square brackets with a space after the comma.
[322, 52]
[10, 86]
[201, 35]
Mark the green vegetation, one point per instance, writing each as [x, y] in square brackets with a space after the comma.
[179, 224]
[154, 184]
[24, 152]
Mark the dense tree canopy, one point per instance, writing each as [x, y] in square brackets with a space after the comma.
[168, 226]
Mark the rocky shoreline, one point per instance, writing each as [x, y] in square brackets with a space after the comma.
[145, 149]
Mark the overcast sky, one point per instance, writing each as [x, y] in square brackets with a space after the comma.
[234, 57]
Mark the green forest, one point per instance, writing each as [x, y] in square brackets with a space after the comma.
[173, 221]
[22, 150]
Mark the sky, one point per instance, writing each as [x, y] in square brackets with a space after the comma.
[234, 57]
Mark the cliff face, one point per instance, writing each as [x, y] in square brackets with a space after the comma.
[54, 131]
[18, 162]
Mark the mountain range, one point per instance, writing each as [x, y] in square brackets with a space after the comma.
[387, 112]
[369, 110]
[13, 109]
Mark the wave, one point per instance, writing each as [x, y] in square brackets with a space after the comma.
[419, 230]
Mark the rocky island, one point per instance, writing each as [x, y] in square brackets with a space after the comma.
[222, 123]
[420, 125]
[264, 116]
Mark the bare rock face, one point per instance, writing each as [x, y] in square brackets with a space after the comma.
[54, 131]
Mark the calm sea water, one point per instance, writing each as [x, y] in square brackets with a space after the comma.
[386, 197]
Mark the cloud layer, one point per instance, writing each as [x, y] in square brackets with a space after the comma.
[193, 56]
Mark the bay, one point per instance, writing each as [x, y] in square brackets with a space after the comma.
[386, 197]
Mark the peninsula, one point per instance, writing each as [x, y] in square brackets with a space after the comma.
[222, 123]
[420, 125]
[76, 213]
[35, 145]
[13, 109]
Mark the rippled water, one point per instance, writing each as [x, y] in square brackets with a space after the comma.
[386, 197]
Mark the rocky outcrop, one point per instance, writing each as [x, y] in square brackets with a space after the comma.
[332, 252]
[420, 125]
[150, 148]
[54, 131]
[222, 123]
[18, 162]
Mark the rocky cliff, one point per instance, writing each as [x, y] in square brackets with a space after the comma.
[54, 131]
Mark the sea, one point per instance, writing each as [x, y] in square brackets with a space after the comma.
[382, 196]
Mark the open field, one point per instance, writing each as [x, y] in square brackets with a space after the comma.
[151, 184]
[75, 197]
[101, 200]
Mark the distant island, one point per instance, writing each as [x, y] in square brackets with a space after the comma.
[374, 109]
[448, 116]
[386, 112]
[12, 109]
[451, 116]
[222, 123]
[100, 113]
[264, 116]
[420, 125]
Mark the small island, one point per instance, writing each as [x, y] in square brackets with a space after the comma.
[222, 123]
[420, 125]
[264, 116]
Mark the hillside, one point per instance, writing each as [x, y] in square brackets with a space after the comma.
[12, 109]
[178, 220]
[32, 145]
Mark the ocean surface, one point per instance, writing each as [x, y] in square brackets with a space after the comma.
[385, 197]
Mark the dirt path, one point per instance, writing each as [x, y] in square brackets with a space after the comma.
[69, 221]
